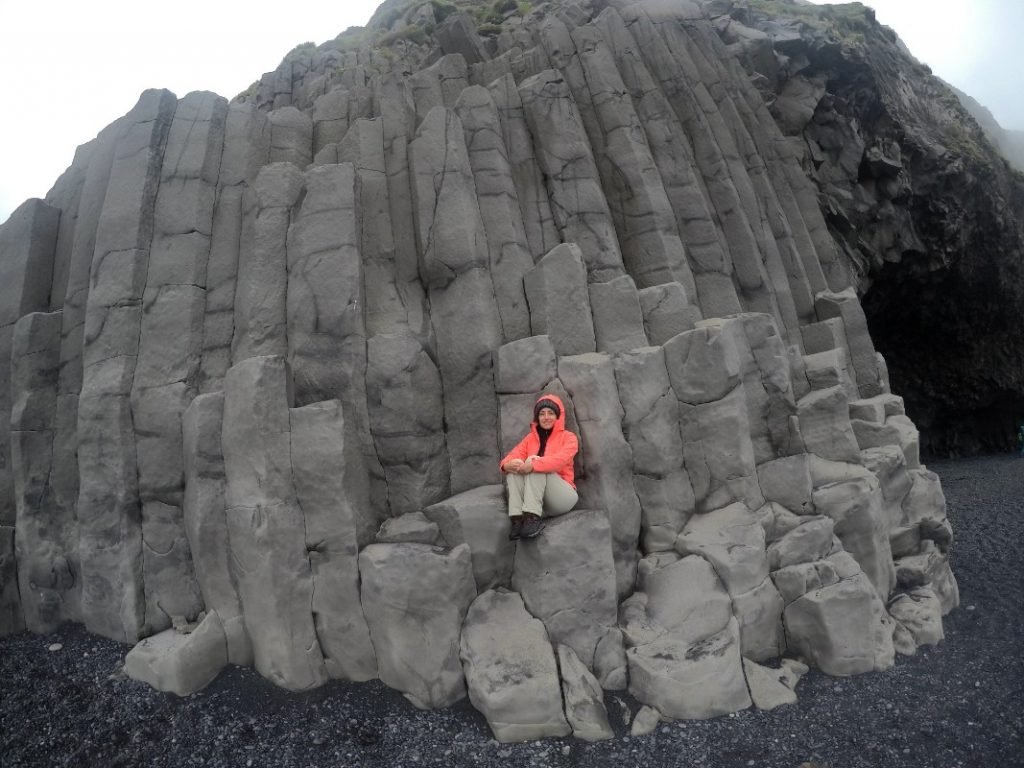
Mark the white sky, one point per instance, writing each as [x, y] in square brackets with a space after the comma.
[74, 66]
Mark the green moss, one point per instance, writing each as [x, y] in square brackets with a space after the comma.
[411, 32]
[489, 29]
[302, 49]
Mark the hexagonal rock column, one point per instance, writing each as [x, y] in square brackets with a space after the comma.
[479, 518]
[45, 551]
[567, 579]
[606, 481]
[111, 530]
[415, 598]
[454, 267]
[510, 669]
[205, 518]
[266, 528]
[330, 486]
[180, 663]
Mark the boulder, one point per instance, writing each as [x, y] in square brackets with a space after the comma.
[841, 629]
[411, 528]
[690, 680]
[510, 669]
[415, 598]
[584, 699]
[919, 611]
[180, 663]
[478, 518]
[567, 579]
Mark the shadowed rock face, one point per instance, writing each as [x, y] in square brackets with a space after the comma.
[925, 208]
[260, 361]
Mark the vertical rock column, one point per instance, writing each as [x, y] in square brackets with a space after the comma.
[110, 533]
[260, 297]
[266, 528]
[651, 247]
[206, 522]
[383, 308]
[673, 156]
[329, 487]
[246, 150]
[170, 350]
[607, 479]
[27, 241]
[510, 257]
[326, 327]
[538, 221]
[651, 425]
[564, 155]
[453, 253]
[65, 480]
[44, 577]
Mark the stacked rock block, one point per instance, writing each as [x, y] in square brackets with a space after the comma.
[260, 361]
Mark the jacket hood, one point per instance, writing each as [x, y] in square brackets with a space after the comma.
[560, 421]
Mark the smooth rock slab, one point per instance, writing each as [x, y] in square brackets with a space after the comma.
[510, 669]
[415, 599]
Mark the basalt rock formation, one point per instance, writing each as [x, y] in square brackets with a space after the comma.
[916, 193]
[261, 359]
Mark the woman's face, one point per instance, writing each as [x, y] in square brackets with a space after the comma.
[546, 418]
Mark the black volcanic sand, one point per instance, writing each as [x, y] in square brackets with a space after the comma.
[961, 703]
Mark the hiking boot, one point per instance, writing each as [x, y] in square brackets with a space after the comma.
[532, 526]
[516, 529]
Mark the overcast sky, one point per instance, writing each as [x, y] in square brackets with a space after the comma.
[73, 66]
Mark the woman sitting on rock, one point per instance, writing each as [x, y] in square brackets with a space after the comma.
[539, 470]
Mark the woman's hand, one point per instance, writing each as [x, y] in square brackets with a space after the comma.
[527, 467]
[513, 466]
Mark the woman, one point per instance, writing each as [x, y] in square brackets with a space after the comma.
[539, 470]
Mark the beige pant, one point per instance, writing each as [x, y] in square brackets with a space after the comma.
[539, 492]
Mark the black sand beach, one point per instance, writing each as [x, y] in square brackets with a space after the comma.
[958, 704]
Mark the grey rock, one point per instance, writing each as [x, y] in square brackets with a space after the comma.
[110, 533]
[584, 699]
[478, 518]
[567, 579]
[618, 320]
[919, 611]
[511, 671]
[266, 528]
[841, 629]
[690, 680]
[767, 689]
[205, 518]
[862, 352]
[563, 153]
[11, 618]
[453, 261]
[335, 518]
[645, 721]
[667, 312]
[607, 461]
[538, 221]
[524, 366]
[415, 598]
[856, 509]
[510, 257]
[180, 663]
[406, 412]
[825, 425]
[291, 136]
[559, 301]
[411, 528]
[787, 481]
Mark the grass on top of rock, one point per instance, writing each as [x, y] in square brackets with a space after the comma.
[846, 23]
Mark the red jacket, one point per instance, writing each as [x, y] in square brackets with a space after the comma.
[561, 447]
